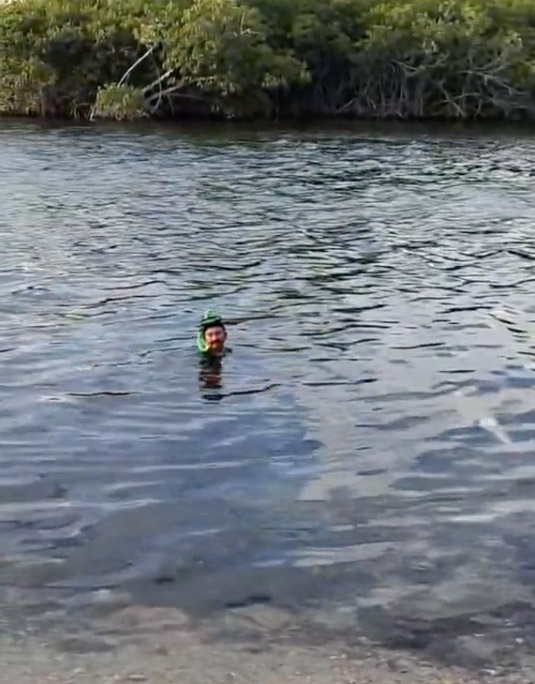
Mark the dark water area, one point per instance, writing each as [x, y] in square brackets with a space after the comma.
[364, 458]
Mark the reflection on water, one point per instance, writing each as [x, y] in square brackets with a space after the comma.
[210, 377]
[366, 451]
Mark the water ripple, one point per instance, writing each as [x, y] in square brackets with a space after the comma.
[375, 420]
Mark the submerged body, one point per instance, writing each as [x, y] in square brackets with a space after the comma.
[211, 339]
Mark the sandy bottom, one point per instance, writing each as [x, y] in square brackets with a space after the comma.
[158, 645]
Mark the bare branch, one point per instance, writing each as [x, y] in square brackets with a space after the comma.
[158, 81]
[168, 91]
[130, 69]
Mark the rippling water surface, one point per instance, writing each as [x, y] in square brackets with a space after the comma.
[366, 451]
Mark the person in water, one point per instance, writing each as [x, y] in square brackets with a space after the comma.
[212, 336]
[211, 339]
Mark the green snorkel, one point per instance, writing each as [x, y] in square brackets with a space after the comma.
[210, 318]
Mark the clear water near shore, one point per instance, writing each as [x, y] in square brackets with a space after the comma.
[366, 453]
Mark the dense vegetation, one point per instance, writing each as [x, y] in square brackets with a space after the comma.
[124, 59]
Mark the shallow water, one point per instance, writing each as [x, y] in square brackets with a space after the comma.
[366, 452]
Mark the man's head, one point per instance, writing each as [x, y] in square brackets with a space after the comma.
[212, 334]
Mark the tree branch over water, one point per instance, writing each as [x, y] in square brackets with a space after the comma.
[460, 59]
[124, 77]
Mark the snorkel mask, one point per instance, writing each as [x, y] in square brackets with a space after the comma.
[211, 318]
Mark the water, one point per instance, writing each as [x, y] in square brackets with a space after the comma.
[365, 457]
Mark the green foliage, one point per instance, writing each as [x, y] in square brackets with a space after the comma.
[23, 84]
[122, 103]
[453, 58]
[79, 46]
[222, 50]
[237, 58]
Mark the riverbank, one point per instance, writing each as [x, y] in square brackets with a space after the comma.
[156, 646]
[261, 59]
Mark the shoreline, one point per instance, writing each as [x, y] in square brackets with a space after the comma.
[161, 653]
[281, 126]
[250, 646]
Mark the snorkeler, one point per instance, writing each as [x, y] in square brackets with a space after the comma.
[212, 336]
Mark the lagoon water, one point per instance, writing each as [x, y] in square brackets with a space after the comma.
[366, 452]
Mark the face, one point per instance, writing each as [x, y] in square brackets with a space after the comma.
[215, 338]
